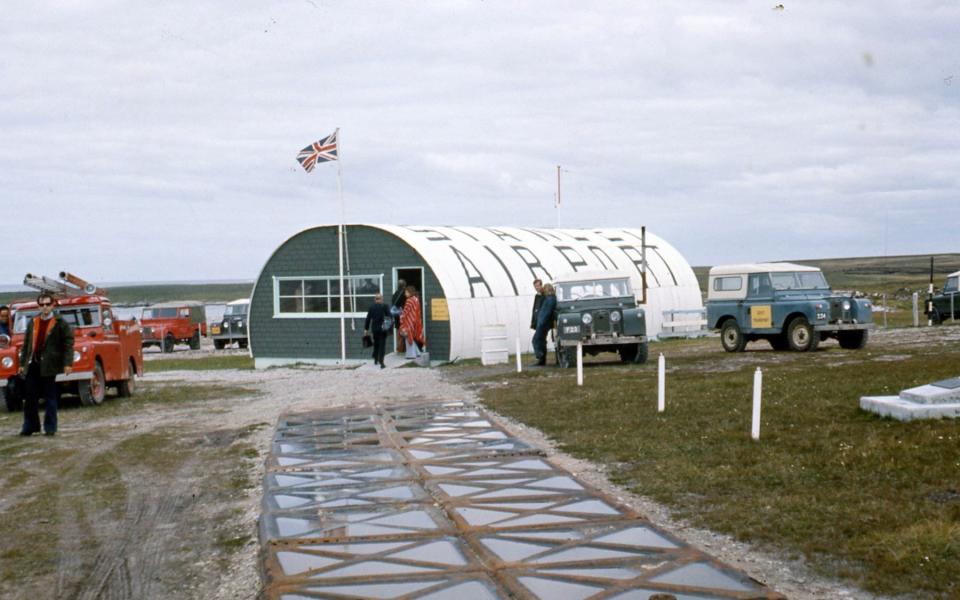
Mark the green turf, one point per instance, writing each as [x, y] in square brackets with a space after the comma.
[862, 497]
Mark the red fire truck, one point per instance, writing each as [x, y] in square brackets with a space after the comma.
[106, 350]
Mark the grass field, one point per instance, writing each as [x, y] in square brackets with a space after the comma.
[869, 499]
[206, 363]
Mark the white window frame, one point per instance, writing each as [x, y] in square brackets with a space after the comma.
[325, 315]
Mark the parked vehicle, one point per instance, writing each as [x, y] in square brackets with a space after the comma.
[233, 327]
[107, 351]
[170, 323]
[599, 310]
[790, 306]
[946, 304]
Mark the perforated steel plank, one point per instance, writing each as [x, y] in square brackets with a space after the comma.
[436, 501]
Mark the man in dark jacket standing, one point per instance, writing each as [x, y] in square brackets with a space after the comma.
[47, 351]
[374, 325]
[544, 324]
[537, 300]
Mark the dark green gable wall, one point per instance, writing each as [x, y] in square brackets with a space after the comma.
[314, 252]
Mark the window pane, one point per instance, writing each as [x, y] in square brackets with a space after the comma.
[291, 287]
[783, 281]
[315, 287]
[315, 304]
[291, 305]
[368, 285]
[364, 303]
[727, 284]
[334, 287]
[335, 304]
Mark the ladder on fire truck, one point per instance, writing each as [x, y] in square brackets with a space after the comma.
[67, 285]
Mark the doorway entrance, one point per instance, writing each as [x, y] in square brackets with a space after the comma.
[411, 276]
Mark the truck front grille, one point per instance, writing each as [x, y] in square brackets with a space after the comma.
[601, 322]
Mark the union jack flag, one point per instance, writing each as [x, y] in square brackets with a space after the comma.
[322, 151]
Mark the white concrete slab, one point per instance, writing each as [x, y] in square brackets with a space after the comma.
[906, 410]
[931, 394]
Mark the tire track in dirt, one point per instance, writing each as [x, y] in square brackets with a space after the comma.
[130, 549]
[125, 565]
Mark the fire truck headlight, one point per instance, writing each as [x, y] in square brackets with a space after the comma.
[76, 356]
[7, 362]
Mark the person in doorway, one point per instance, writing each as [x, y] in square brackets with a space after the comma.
[378, 324]
[396, 309]
[4, 320]
[537, 300]
[544, 324]
[411, 323]
[47, 351]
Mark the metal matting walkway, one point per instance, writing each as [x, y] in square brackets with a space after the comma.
[436, 502]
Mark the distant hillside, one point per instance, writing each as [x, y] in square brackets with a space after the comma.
[875, 274]
[150, 294]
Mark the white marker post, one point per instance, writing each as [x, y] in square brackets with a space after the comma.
[518, 355]
[757, 392]
[579, 363]
[661, 383]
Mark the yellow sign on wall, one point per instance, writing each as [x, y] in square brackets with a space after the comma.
[761, 316]
[439, 311]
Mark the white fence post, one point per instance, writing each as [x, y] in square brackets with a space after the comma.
[579, 363]
[661, 383]
[757, 392]
[518, 354]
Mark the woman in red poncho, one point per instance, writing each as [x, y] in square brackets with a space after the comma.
[411, 322]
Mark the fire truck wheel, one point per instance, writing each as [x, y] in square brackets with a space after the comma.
[219, 344]
[195, 341]
[126, 387]
[168, 343]
[92, 392]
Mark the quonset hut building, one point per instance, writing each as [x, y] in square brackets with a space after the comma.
[468, 277]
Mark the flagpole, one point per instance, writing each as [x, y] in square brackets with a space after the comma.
[558, 196]
[340, 231]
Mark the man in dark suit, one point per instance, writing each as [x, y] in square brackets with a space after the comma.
[47, 351]
[537, 300]
[374, 325]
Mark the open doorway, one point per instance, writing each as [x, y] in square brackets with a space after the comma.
[411, 276]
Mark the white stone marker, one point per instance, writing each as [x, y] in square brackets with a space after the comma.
[518, 354]
[661, 383]
[579, 363]
[757, 392]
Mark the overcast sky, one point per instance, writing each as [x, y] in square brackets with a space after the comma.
[157, 141]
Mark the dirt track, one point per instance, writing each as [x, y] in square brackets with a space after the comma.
[158, 499]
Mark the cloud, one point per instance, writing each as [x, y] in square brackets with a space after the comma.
[145, 129]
